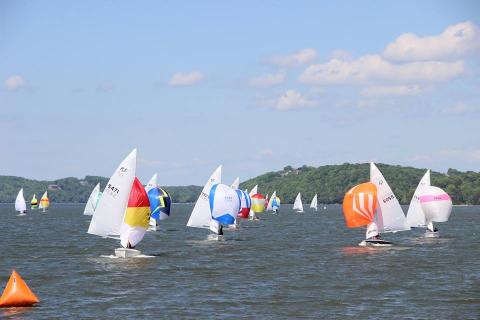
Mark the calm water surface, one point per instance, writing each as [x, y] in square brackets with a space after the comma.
[284, 266]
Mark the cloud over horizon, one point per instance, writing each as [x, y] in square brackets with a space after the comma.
[180, 79]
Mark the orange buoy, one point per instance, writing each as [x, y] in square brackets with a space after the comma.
[17, 293]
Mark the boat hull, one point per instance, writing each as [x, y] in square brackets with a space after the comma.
[431, 234]
[215, 237]
[375, 243]
[126, 253]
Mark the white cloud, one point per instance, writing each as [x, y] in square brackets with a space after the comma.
[266, 80]
[458, 109]
[341, 55]
[186, 79]
[105, 86]
[456, 41]
[401, 90]
[303, 56]
[373, 68]
[15, 82]
[292, 99]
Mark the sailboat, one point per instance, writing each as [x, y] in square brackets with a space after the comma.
[245, 204]
[34, 203]
[201, 216]
[235, 186]
[274, 203]
[44, 202]
[224, 207]
[437, 207]
[20, 204]
[314, 203]
[251, 214]
[160, 203]
[297, 205]
[124, 211]
[359, 206]
[236, 183]
[92, 201]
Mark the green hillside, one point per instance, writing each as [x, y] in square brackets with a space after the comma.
[330, 182]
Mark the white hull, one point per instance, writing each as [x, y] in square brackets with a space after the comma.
[232, 227]
[21, 214]
[153, 228]
[432, 234]
[126, 253]
[375, 243]
[215, 237]
[299, 211]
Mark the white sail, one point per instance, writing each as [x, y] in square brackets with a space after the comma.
[253, 191]
[201, 215]
[297, 205]
[314, 203]
[152, 183]
[236, 184]
[108, 216]
[270, 202]
[390, 216]
[415, 215]
[20, 204]
[92, 201]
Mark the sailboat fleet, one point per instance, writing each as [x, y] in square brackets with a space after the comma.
[125, 210]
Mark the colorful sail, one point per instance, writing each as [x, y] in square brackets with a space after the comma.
[160, 200]
[20, 204]
[360, 204]
[136, 220]
[415, 215]
[390, 216]
[201, 215]
[44, 201]
[92, 201]
[258, 203]
[245, 204]
[436, 204]
[34, 202]
[274, 202]
[224, 204]
[108, 217]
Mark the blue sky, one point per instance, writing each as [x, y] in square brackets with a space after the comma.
[253, 86]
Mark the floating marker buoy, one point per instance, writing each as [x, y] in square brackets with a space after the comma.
[17, 293]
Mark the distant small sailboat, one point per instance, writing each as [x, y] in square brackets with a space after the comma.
[160, 203]
[20, 204]
[44, 202]
[297, 205]
[236, 183]
[34, 203]
[235, 186]
[258, 203]
[437, 207]
[245, 204]
[124, 211]
[314, 203]
[274, 203]
[92, 201]
[201, 216]
[251, 214]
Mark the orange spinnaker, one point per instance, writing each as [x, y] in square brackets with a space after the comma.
[17, 293]
[359, 205]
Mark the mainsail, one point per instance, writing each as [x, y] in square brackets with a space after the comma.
[201, 215]
[415, 215]
[297, 205]
[93, 201]
[108, 217]
[20, 204]
[390, 216]
[44, 202]
[314, 203]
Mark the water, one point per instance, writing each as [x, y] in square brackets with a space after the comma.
[284, 266]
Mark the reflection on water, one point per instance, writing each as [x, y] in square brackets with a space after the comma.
[282, 266]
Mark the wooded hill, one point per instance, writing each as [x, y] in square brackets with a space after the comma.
[329, 182]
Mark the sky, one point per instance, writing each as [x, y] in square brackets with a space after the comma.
[252, 85]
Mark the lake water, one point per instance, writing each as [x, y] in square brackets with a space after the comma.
[284, 266]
